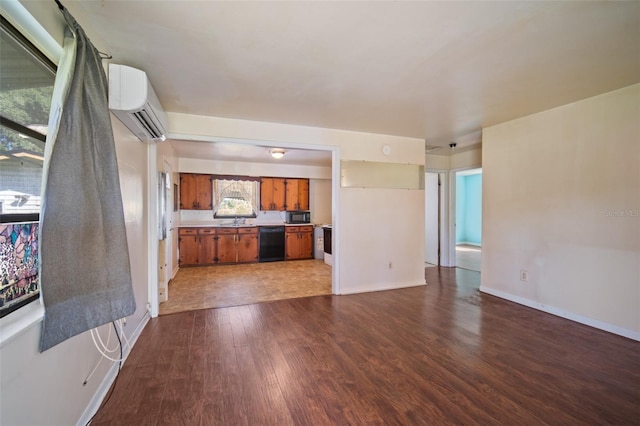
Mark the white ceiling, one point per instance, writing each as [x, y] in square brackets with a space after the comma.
[438, 71]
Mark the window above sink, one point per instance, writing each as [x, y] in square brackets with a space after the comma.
[235, 198]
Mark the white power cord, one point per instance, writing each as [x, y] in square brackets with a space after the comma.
[104, 349]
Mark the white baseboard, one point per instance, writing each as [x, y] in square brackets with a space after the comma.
[374, 287]
[109, 378]
[630, 334]
[174, 272]
[467, 243]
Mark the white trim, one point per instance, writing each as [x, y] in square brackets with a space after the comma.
[100, 394]
[152, 229]
[634, 335]
[453, 173]
[29, 27]
[174, 272]
[109, 378]
[376, 287]
[335, 221]
[21, 320]
[468, 243]
[335, 188]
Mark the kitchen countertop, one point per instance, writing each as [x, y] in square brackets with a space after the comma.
[248, 225]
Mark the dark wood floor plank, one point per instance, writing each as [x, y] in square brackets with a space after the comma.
[440, 354]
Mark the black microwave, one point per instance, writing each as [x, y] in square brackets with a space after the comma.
[298, 217]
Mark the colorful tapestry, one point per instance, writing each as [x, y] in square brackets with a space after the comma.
[19, 281]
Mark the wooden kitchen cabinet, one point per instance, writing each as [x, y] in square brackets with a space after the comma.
[237, 245]
[188, 246]
[284, 194]
[297, 194]
[226, 245]
[196, 246]
[218, 245]
[298, 242]
[206, 246]
[272, 193]
[195, 192]
[248, 247]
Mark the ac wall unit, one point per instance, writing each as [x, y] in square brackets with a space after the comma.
[133, 101]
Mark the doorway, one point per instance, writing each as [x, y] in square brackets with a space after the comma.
[468, 219]
[328, 188]
[433, 202]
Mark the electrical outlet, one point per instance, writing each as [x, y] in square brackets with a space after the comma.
[524, 275]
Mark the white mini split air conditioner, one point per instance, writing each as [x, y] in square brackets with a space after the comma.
[133, 101]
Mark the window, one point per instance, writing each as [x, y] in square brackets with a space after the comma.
[235, 197]
[26, 87]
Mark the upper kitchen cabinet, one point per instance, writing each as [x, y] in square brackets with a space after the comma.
[297, 194]
[284, 194]
[195, 192]
[272, 193]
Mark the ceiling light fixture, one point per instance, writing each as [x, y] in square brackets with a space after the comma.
[453, 145]
[277, 153]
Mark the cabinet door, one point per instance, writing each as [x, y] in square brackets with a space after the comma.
[303, 194]
[188, 246]
[279, 194]
[291, 199]
[207, 249]
[272, 194]
[266, 194]
[188, 191]
[247, 248]
[291, 244]
[226, 248]
[297, 194]
[306, 245]
[204, 192]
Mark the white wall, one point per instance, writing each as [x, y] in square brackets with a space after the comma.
[320, 200]
[47, 388]
[372, 226]
[561, 199]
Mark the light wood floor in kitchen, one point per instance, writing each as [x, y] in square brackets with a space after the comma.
[233, 285]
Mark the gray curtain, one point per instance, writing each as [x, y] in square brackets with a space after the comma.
[84, 266]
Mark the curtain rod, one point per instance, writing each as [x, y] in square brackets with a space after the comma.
[102, 54]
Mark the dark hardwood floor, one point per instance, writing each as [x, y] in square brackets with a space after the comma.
[440, 354]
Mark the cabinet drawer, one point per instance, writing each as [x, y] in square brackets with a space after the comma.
[249, 230]
[187, 231]
[226, 231]
[206, 231]
[303, 228]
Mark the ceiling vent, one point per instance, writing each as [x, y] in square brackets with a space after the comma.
[133, 101]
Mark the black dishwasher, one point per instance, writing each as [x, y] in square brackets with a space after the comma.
[271, 243]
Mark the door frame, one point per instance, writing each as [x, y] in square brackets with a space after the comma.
[443, 214]
[452, 212]
[152, 176]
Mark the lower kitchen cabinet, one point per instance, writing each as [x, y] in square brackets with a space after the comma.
[248, 246]
[211, 245]
[237, 245]
[226, 245]
[299, 242]
[188, 246]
